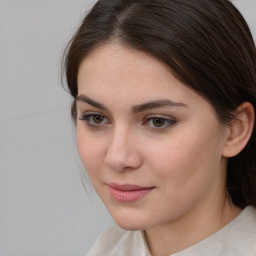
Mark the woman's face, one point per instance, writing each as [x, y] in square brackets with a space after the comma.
[151, 146]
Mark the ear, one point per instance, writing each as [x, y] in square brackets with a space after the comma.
[240, 130]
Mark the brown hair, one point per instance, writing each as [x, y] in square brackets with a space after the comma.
[207, 45]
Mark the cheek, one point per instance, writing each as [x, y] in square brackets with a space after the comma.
[171, 156]
[186, 159]
[184, 171]
[90, 152]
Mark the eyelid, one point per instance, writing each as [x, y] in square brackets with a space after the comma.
[86, 118]
[170, 121]
[90, 113]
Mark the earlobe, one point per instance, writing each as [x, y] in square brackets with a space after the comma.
[240, 130]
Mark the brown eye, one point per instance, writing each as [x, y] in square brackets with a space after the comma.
[97, 119]
[158, 122]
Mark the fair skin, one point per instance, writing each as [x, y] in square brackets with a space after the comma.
[158, 167]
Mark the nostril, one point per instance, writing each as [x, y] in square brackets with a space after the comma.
[116, 162]
[120, 160]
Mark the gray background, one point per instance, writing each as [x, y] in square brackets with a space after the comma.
[44, 207]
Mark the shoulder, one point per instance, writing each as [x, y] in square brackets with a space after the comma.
[238, 238]
[245, 233]
[107, 240]
[118, 242]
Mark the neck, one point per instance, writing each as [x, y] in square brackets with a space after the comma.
[189, 229]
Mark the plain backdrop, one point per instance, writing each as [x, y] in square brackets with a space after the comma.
[44, 208]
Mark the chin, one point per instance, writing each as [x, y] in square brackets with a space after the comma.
[130, 226]
[129, 221]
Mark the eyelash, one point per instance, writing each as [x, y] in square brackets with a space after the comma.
[166, 122]
[88, 118]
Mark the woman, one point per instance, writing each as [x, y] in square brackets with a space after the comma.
[164, 103]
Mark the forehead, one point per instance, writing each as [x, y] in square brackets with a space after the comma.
[113, 61]
[112, 65]
[116, 74]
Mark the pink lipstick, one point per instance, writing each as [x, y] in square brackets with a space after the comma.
[128, 193]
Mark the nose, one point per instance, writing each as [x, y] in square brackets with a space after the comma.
[122, 152]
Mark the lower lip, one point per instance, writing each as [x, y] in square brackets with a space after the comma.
[127, 196]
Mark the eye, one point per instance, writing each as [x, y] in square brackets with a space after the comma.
[158, 122]
[94, 119]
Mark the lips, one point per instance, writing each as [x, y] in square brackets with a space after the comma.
[128, 193]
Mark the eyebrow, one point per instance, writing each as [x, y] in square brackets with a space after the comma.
[91, 102]
[138, 108]
[157, 104]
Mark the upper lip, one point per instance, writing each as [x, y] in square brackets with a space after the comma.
[127, 187]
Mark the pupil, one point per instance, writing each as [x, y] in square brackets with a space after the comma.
[158, 122]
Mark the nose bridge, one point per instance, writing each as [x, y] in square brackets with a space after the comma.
[122, 152]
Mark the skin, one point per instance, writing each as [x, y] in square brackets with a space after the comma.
[179, 155]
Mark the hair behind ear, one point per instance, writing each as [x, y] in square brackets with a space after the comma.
[241, 172]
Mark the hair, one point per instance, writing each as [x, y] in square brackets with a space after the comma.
[206, 44]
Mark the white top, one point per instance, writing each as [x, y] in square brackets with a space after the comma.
[238, 238]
